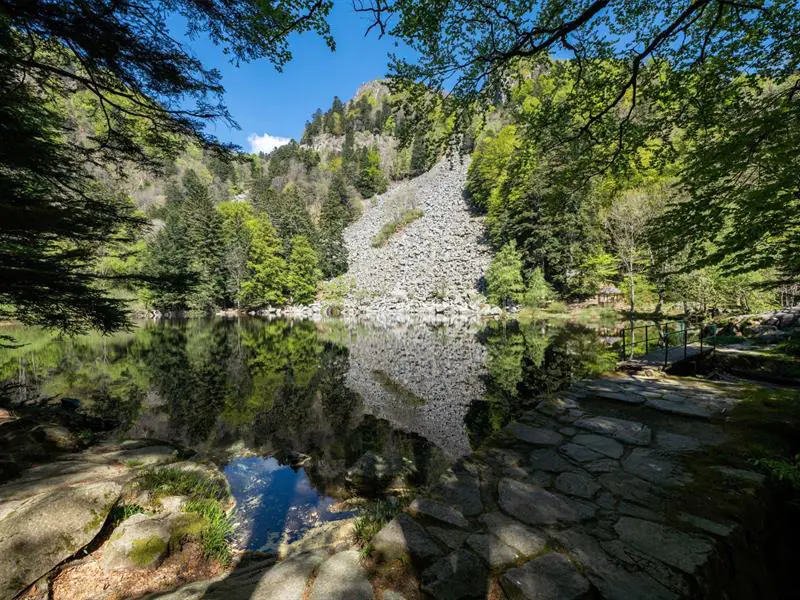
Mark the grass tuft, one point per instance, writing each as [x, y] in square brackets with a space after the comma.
[372, 519]
[176, 482]
[205, 495]
[216, 529]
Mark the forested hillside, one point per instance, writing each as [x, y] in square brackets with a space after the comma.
[249, 231]
[623, 226]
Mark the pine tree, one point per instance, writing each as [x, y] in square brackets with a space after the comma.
[205, 234]
[168, 272]
[236, 237]
[266, 268]
[371, 179]
[304, 273]
[419, 155]
[334, 217]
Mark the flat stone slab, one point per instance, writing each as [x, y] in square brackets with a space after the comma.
[676, 442]
[342, 577]
[463, 491]
[536, 506]
[535, 436]
[629, 432]
[458, 575]
[404, 536]
[613, 581]
[628, 486]
[425, 508]
[550, 577]
[654, 466]
[681, 550]
[549, 460]
[577, 484]
[579, 453]
[524, 539]
[48, 528]
[600, 444]
[496, 554]
[685, 409]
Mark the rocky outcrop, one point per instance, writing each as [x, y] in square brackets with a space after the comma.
[439, 259]
[776, 320]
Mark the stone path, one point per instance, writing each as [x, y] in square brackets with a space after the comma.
[596, 493]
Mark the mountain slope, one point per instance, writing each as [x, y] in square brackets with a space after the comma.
[440, 256]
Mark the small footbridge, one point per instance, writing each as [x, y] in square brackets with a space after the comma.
[664, 345]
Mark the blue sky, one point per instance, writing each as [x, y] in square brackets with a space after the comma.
[267, 103]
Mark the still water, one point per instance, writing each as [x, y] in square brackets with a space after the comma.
[294, 410]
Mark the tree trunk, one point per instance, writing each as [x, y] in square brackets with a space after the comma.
[633, 291]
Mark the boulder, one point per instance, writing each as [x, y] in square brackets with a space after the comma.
[403, 536]
[139, 542]
[342, 577]
[47, 528]
[549, 577]
[456, 576]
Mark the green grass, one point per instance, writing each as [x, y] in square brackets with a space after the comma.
[205, 495]
[215, 530]
[372, 519]
[392, 227]
[121, 512]
[176, 482]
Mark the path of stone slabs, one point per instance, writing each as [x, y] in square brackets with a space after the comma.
[605, 491]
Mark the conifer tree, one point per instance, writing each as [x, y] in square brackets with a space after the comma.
[334, 216]
[419, 155]
[205, 235]
[304, 272]
[168, 268]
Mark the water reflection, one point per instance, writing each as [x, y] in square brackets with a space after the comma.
[275, 503]
[340, 393]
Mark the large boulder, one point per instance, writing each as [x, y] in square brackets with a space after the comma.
[49, 527]
[141, 541]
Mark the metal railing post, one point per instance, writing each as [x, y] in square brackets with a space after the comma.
[685, 341]
[701, 338]
[666, 345]
[646, 340]
[624, 355]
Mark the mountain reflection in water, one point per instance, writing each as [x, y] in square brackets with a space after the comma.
[335, 392]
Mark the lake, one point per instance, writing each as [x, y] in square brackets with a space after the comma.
[302, 414]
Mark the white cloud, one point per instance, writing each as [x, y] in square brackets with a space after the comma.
[265, 143]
